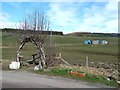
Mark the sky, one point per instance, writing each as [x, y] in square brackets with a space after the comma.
[67, 17]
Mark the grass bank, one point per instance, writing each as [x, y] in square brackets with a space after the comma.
[91, 78]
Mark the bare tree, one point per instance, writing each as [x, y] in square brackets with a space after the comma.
[37, 23]
[34, 27]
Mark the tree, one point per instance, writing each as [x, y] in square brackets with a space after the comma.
[38, 24]
[34, 27]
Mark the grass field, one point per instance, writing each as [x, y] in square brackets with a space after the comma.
[72, 48]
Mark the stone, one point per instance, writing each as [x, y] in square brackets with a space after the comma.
[38, 67]
[14, 65]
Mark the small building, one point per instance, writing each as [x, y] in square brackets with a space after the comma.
[87, 42]
[95, 42]
[103, 42]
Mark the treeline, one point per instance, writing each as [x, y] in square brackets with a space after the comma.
[89, 34]
[9, 30]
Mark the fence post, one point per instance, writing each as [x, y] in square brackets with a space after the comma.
[86, 61]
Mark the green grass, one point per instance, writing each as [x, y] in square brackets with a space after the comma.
[64, 72]
[66, 39]
[73, 50]
[76, 40]
[103, 53]
[9, 39]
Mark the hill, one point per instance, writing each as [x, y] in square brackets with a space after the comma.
[89, 34]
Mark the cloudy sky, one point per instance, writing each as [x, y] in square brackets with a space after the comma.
[65, 16]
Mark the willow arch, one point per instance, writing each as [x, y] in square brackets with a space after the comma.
[39, 45]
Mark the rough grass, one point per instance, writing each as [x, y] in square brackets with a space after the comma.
[64, 72]
[5, 64]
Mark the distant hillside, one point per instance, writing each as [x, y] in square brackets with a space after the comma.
[93, 34]
[9, 30]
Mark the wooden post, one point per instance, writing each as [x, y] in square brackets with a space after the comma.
[86, 61]
[18, 54]
[33, 57]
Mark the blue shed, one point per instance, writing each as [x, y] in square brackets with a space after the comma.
[87, 42]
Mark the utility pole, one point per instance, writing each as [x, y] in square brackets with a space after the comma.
[51, 38]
